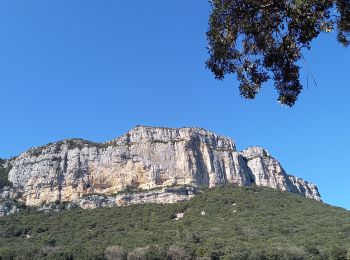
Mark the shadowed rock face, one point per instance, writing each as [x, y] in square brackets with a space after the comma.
[145, 158]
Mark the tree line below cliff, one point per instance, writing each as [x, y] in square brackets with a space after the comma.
[219, 223]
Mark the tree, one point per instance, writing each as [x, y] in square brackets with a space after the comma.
[260, 40]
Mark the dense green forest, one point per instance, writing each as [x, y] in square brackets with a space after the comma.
[221, 223]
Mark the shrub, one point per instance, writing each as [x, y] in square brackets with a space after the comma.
[339, 253]
[114, 253]
[4, 174]
[259, 229]
[138, 253]
[177, 253]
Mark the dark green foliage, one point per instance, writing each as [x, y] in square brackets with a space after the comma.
[263, 39]
[4, 175]
[239, 223]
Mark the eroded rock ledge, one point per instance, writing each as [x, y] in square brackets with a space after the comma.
[143, 158]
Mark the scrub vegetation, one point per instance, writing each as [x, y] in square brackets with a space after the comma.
[221, 223]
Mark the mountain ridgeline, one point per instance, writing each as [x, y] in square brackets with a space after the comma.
[158, 161]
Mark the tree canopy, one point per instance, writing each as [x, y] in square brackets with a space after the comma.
[260, 40]
[240, 223]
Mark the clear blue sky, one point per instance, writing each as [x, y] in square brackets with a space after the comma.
[94, 69]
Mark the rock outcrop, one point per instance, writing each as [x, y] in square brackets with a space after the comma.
[268, 172]
[162, 195]
[144, 158]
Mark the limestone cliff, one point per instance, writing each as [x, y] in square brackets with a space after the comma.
[144, 158]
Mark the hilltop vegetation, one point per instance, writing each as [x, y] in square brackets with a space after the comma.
[4, 175]
[220, 223]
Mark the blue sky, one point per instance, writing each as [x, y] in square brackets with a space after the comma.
[95, 69]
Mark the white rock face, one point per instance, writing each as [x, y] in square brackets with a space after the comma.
[309, 190]
[163, 195]
[146, 158]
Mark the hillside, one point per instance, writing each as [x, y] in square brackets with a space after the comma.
[223, 222]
